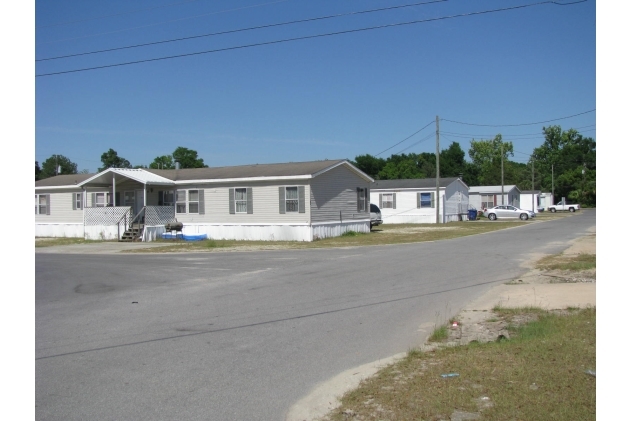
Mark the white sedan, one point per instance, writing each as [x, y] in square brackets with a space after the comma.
[508, 212]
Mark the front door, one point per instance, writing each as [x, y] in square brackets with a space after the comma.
[139, 203]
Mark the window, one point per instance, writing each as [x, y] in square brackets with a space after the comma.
[194, 204]
[240, 200]
[361, 199]
[42, 204]
[100, 200]
[77, 201]
[180, 201]
[129, 198]
[291, 199]
[487, 201]
[387, 201]
[165, 198]
[426, 200]
[193, 201]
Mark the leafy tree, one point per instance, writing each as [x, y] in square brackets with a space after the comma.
[369, 164]
[110, 159]
[574, 159]
[49, 167]
[452, 162]
[486, 155]
[164, 162]
[140, 166]
[84, 171]
[188, 158]
[38, 171]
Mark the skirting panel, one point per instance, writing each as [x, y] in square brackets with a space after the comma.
[59, 230]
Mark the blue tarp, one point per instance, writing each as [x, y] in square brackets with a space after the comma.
[185, 237]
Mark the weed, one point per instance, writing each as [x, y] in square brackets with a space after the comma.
[439, 334]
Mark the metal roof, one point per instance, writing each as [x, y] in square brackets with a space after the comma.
[136, 174]
[413, 183]
[492, 189]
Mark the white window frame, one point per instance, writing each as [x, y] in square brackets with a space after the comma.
[362, 199]
[39, 205]
[192, 203]
[241, 201]
[180, 201]
[78, 200]
[291, 202]
[387, 204]
[106, 199]
[484, 201]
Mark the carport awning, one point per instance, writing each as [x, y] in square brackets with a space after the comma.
[137, 174]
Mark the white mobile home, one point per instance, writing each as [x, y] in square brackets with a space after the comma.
[413, 201]
[484, 197]
[300, 201]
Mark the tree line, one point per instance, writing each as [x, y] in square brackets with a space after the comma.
[59, 164]
[566, 161]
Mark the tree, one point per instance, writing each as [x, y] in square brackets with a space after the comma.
[50, 166]
[38, 171]
[487, 156]
[164, 162]
[188, 158]
[574, 159]
[110, 159]
[370, 165]
[452, 162]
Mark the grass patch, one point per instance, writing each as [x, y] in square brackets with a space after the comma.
[382, 235]
[540, 373]
[62, 241]
[574, 263]
[439, 334]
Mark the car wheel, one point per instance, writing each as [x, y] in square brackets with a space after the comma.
[492, 216]
[553, 210]
[523, 217]
[572, 209]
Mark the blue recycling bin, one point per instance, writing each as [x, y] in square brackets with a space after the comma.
[473, 214]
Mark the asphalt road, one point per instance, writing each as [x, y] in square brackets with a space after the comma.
[244, 335]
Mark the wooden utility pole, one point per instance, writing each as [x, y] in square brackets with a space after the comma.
[533, 185]
[502, 149]
[553, 201]
[437, 198]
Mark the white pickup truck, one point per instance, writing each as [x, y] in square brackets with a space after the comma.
[563, 206]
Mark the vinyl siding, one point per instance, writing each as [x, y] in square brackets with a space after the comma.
[455, 203]
[335, 191]
[265, 205]
[60, 208]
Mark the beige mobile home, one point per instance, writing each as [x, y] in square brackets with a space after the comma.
[301, 201]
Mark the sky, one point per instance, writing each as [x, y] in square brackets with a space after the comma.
[337, 85]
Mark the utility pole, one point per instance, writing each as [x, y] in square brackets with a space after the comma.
[533, 184]
[502, 149]
[437, 198]
[553, 201]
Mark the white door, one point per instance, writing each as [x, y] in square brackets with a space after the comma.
[139, 203]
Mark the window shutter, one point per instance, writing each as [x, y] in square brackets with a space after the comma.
[418, 200]
[48, 204]
[301, 199]
[367, 204]
[231, 200]
[117, 199]
[201, 206]
[380, 200]
[93, 199]
[394, 200]
[358, 194]
[250, 204]
[82, 202]
[432, 199]
[281, 200]
[161, 198]
[74, 201]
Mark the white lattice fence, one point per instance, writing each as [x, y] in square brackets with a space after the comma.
[107, 215]
[159, 215]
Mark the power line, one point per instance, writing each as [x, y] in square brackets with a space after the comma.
[520, 124]
[271, 25]
[148, 9]
[405, 138]
[416, 143]
[307, 37]
[512, 135]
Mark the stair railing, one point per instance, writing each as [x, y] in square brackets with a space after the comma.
[140, 219]
[123, 219]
